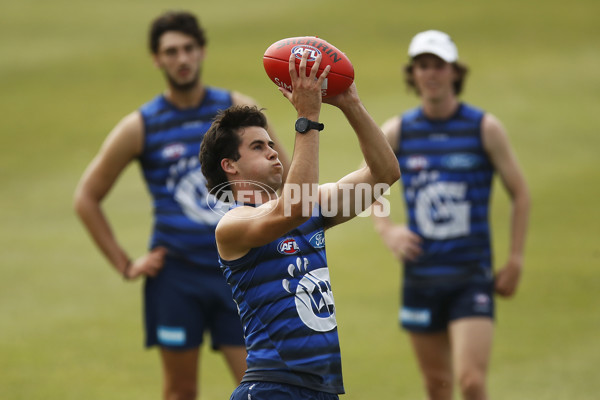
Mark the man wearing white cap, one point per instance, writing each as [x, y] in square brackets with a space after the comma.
[448, 152]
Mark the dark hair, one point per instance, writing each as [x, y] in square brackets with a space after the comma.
[460, 68]
[222, 140]
[180, 21]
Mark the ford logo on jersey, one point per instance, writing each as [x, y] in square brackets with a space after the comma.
[288, 246]
[461, 161]
[317, 240]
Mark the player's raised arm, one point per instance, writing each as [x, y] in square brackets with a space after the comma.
[252, 163]
[356, 191]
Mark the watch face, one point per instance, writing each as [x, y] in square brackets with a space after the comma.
[302, 125]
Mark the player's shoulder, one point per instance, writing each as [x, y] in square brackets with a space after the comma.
[229, 221]
[493, 133]
[491, 125]
[391, 123]
[391, 129]
[154, 106]
[241, 228]
[240, 215]
[236, 212]
[131, 123]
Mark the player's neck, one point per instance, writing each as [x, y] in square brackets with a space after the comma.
[188, 98]
[440, 108]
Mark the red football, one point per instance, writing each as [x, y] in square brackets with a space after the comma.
[277, 56]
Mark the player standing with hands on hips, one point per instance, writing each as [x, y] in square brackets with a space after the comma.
[448, 152]
[272, 252]
[185, 293]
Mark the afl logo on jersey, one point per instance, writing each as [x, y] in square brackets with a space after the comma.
[173, 151]
[417, 162]
[288, 246]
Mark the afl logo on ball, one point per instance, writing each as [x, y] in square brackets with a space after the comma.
[299, 50]
[288, 246]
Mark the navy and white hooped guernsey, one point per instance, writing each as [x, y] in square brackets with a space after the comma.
[447, 179]
[183, 222]
[285, 301]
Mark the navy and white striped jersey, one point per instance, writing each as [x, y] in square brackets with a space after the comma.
[447, 177]
[183, 222]
[285, 301]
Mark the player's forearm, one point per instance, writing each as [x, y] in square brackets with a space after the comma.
[299, 193]
[519, 223]
[96, 224]
[381, 223]
[378, 154]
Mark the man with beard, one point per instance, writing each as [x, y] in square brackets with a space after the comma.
[185, 292]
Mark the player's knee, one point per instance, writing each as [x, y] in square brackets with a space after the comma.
[472, 385]
[439, 386]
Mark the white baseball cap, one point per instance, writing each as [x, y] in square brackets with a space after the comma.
[433, 42]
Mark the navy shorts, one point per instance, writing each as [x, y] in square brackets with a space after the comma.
[183, 301]
[277, 391]
[432, 308]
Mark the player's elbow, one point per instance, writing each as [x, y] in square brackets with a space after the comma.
[80, 206]
[391, 174]
[78, 201]
[395, 173]
[82, 202]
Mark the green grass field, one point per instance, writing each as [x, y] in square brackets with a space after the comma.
[70, 328]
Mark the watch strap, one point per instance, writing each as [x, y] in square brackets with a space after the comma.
[304, 125]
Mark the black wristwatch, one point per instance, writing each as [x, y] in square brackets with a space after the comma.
[304, 125]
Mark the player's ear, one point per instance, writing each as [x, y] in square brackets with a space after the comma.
[229, 166]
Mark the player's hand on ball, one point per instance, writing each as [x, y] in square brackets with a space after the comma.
[347, 97]
[306, 95]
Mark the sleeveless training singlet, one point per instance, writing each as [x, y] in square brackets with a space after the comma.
[183, 222]
[285, 301]
[447, 179]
